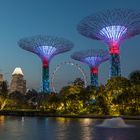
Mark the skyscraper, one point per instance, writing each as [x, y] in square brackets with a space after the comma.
[18, 83]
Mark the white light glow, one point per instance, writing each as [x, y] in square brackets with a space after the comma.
[93, 61]
[113, 33]
[46, 51]
[17, 71]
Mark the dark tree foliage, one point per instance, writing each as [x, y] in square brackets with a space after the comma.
[134, 77]
[79, 82]
[4, 88]
[117, 82]
[31, 94]
[16, 95]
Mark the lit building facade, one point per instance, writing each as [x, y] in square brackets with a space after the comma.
[17, 82]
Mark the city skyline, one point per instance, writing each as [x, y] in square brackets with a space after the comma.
[31, 17]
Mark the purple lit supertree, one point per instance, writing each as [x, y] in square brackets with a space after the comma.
[112, 27]
[45, 47]
[93, 58]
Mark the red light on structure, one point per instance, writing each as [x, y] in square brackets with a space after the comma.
[114, 48]
[94, 70]
[45, 63]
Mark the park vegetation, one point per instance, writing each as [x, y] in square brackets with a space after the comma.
[119, 96]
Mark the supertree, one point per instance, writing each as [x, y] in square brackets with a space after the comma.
[45, 47]
[112, 27]
[93, 58]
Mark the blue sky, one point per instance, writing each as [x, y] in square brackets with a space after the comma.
[24, 18]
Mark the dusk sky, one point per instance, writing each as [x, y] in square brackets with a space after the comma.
[25, 18]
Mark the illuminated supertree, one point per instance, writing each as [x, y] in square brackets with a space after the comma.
[112, 27]
[45, 47]
[93, 58]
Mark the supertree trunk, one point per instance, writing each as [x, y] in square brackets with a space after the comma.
[45, 76]
[115, 69]
[94, 76]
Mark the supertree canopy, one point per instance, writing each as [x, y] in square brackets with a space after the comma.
[45, 47]
[112, 27]
[93, 58]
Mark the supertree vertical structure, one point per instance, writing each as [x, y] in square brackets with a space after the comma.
[93, 58]
[112, 27]
[45, 47]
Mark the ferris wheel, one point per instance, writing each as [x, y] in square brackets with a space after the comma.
[59, 66]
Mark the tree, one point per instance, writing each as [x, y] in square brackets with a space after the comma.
[134, 77]
[19, 99]
[118, 91]
[135, 99]
[3, 94]
[4, 88]
[70, 97]
[79, 82]
[51, 103]
[135, 91]
[31, 96]
[102, 100]
[2, 102]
